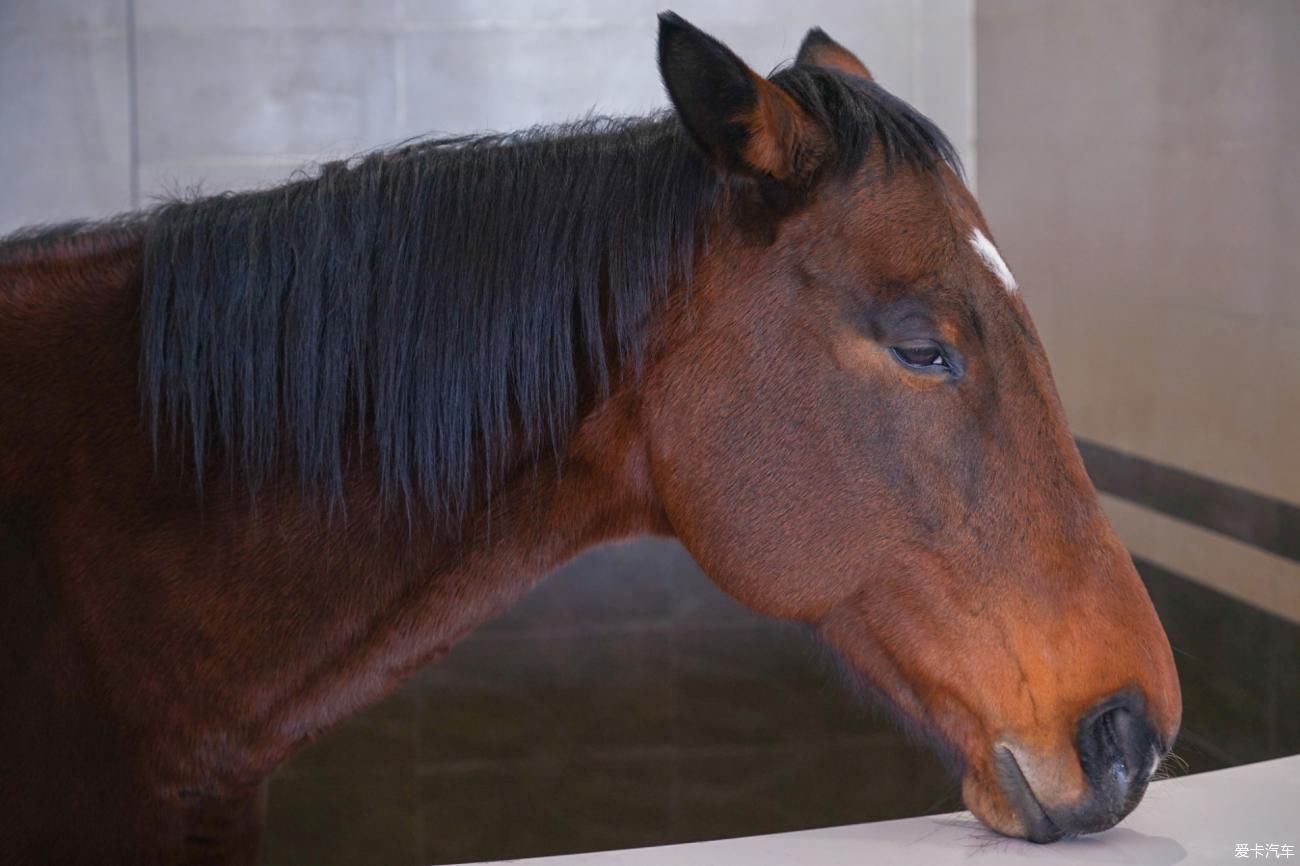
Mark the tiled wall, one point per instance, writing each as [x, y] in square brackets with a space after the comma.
[1138, 168]
[65, 123]
[107, 104]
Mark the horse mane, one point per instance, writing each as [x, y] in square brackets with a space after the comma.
[447, 306]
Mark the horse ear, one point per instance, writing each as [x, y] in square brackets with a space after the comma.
[818, 49]
[743, 122]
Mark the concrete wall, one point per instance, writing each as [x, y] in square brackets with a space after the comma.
[65, 120]
[106, 104]
[1138, 167]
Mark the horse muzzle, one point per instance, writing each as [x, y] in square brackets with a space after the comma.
[1118, 750]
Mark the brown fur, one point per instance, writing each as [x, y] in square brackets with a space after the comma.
[783, 143]
[818, 49]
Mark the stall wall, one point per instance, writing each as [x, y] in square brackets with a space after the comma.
[107, 104]
[1138, 168]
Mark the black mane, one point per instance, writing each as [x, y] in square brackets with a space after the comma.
[447, 306]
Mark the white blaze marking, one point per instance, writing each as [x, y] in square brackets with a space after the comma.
[993, 259]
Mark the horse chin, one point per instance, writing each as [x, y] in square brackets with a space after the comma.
[1003, 799]
[991, 807]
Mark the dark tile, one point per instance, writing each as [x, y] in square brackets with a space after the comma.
[649, 581]
[380, 736]
[503, 698]
[1228, 709]
[1225, 652]
[344, 819]
[768, 683]
[1285, 689]
[701, 603]
[529, 809]
[769, 789]
[614, 586]
[1204, 623]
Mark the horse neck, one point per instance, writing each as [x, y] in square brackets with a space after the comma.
[289, 616]
[391, 598]
[550, 510]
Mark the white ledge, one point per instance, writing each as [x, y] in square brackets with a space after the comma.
[1197, 819]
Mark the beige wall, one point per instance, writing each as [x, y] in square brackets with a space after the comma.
[107, 104]
[1140, 168]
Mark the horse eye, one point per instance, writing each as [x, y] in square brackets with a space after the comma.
[922, 357]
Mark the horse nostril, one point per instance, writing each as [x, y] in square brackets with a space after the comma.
[1117, 745]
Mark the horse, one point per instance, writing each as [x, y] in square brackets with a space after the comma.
[263, 455]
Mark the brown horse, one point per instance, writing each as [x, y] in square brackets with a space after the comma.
[264, 455]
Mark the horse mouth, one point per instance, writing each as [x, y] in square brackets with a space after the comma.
[1039, 826]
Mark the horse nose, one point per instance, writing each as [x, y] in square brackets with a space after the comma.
[1118, 749]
